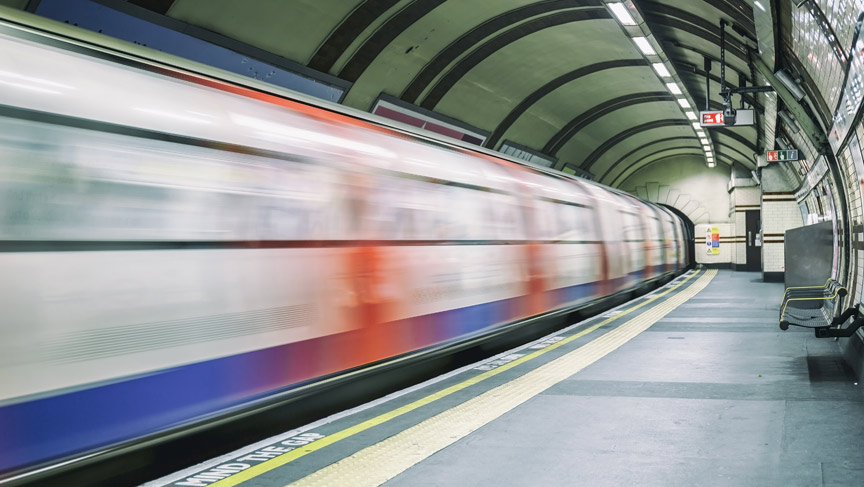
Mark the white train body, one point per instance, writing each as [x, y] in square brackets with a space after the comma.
[173, 246]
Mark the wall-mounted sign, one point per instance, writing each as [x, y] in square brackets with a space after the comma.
[715, 240]
[715, 118]
[782, 155]
[712, 241]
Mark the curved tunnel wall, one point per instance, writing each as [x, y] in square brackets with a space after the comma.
[447, 55]
[817, 42]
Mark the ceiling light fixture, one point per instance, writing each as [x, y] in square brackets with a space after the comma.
[697, 126]
[621, 12]
[683, 102]
[789, 121]
[644, 46]
[661, 70]
[790, 84]
[673, 88]
[690, 115]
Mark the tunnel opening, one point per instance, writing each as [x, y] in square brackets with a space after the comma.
[689, 234]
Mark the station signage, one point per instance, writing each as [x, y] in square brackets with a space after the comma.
[782, 155]
[711, 119]
[712, 240]
[714, 118]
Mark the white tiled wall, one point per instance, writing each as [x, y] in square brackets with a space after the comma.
[841, 14]
[812, 46]
[852, 186]
[726, 248]
[773, 255]
[815, 52]
[751, 195]
[779, 213]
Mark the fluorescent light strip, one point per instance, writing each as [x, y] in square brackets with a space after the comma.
[690, 115]
[621, 12]
[684, 103]
[661, 70]
[674, 88]
[697, 126]
[644, 46]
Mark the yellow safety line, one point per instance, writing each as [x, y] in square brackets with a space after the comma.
[382, 461]
[328, 440]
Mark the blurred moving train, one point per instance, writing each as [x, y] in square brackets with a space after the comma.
[175, 246]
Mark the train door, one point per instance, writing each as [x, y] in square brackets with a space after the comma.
[633, 223]
[670, 253]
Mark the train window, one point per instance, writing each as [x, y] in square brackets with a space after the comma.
[632, 226]
[383, 218]
[93, 185]
[545, 222]
[568, 222]
[575, 223]
[461, 207]
[503, 221]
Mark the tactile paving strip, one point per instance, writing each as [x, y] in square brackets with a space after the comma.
[379, 463]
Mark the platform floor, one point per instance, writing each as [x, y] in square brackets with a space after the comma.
[693, 384]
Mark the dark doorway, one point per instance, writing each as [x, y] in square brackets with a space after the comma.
[754, 241]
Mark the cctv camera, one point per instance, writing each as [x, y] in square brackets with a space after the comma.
[729, 114]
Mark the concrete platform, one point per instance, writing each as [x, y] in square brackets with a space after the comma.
[711, 393]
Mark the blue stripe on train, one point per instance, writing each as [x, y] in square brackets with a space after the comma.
[79, 421]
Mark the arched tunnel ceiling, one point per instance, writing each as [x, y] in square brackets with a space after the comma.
[561, 77]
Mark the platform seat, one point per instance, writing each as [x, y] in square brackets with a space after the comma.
[826, 289]
[814, 307]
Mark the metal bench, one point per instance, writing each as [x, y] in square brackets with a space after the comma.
[814, 307]
[810, 291]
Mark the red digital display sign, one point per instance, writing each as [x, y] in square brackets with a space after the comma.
[711, 118]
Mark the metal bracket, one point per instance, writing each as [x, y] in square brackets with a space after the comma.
[814, 132]
[749, 89]
[727, 101]
[829, 332]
